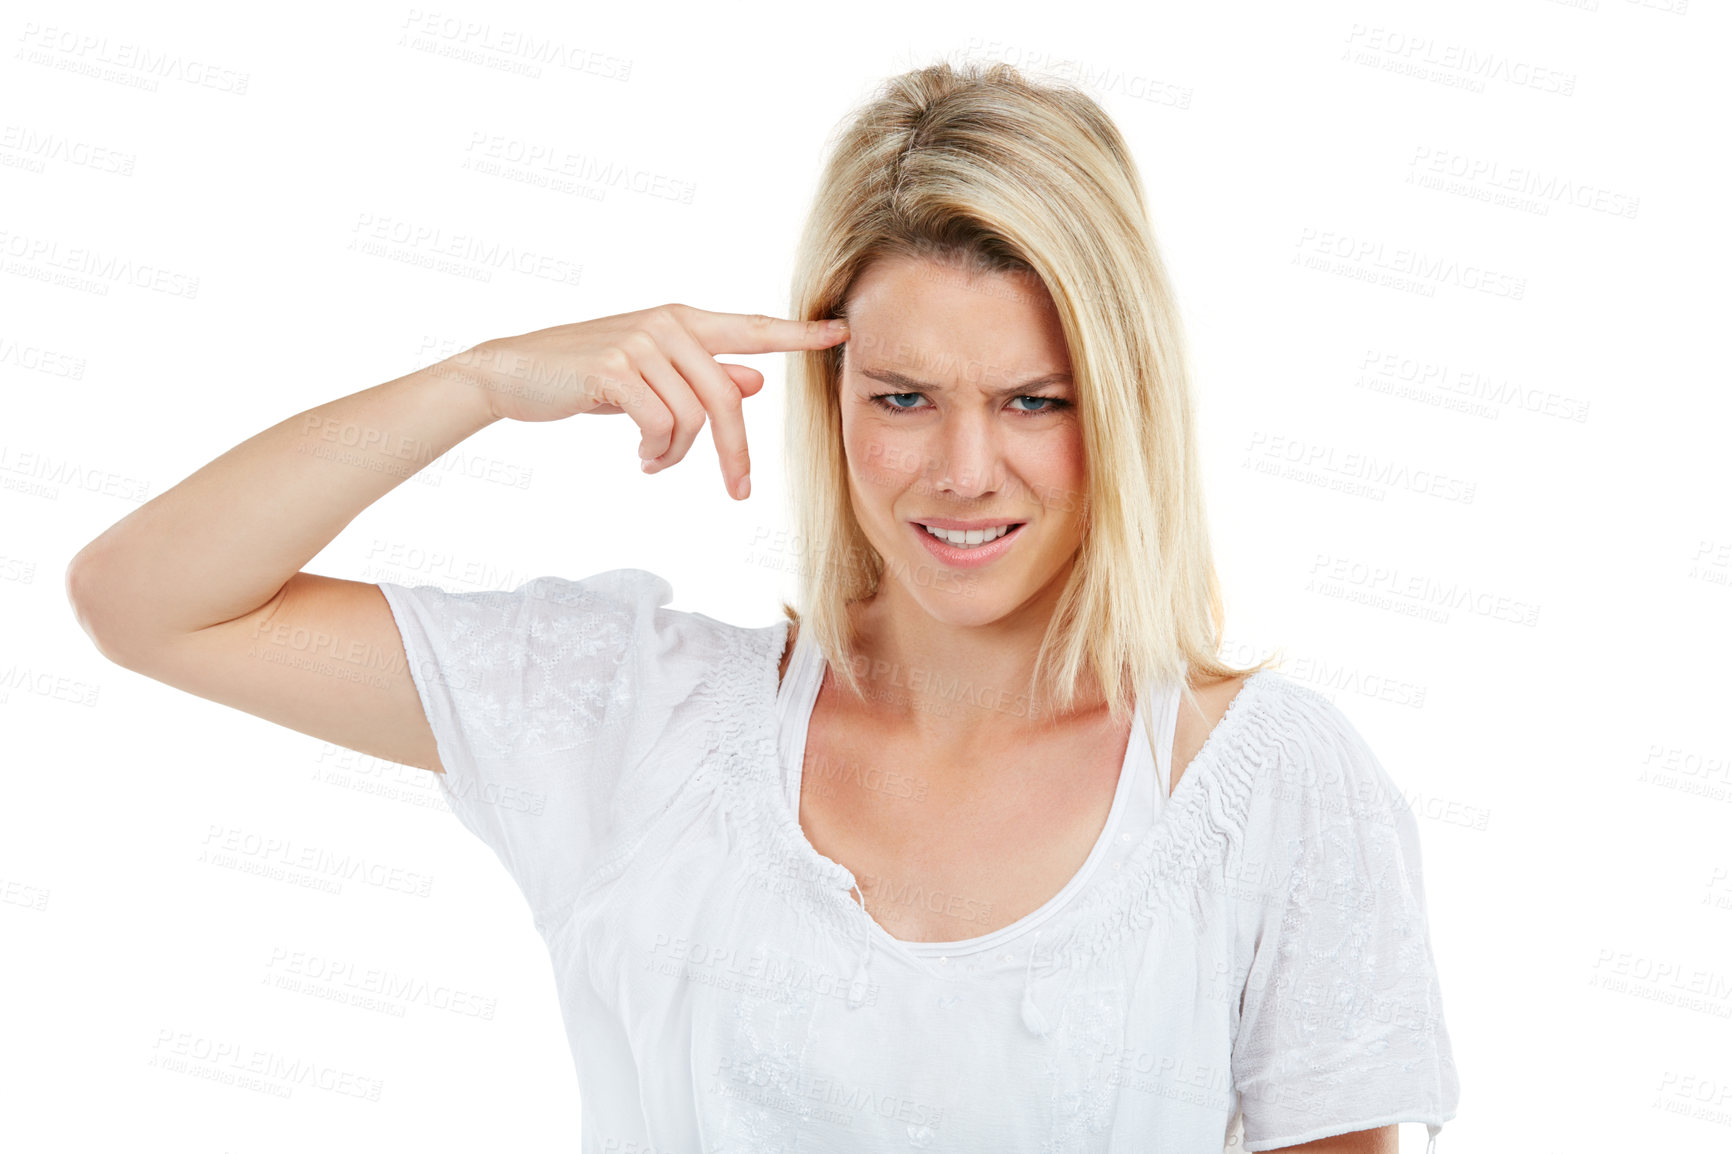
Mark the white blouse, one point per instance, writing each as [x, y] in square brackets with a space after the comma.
[1244, 964]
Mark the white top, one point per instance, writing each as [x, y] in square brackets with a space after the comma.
[1250, 953]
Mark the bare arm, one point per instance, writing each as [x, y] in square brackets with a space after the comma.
[1379, 1141]
[202, 588]
[225, 540]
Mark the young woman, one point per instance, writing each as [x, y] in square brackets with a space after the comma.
[980, 849]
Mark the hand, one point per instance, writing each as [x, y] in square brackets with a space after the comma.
[655, 365]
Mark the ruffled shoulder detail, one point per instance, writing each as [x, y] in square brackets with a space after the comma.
[1341, 1022]
[743, 769]
[1203, 822]
[540, 699]
[726, 734]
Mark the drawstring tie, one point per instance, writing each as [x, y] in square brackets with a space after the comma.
[1031, 1015]
[860, 982]
[1431, 1129]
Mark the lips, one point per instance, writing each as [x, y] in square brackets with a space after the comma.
[976, 523]
[968, 556]
[971, 536]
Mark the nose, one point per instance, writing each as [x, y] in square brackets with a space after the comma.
[968, 455]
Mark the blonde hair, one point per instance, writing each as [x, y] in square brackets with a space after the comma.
[979, 167]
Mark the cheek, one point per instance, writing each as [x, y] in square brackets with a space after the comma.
[882, 460]
[1058, 474]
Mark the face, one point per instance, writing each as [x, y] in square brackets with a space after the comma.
[958, 410]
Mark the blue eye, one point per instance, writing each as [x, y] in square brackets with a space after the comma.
[886, 401]
[1053, 404]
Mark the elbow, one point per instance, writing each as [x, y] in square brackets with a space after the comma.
[83, 586]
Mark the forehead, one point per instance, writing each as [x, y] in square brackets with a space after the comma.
[940, 322]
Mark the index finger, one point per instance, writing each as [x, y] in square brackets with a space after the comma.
[756, 333]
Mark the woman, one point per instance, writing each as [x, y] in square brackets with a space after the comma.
[899, 870]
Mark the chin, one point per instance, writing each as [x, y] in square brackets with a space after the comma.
[961, 598]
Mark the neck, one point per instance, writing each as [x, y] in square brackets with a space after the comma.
[955, 686]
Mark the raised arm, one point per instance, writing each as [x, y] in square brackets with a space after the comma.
[201, 588]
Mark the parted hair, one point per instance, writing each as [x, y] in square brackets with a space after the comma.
[979, 168]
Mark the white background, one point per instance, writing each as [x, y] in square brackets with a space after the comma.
[1573, 773]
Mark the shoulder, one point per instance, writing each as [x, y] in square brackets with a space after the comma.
[1214, 696]
[614, 594]
[605, 598]
[1340, 1017]
[1308, 767]
[1200, 712]
[545, 633]
[1329, 843]
[1270, 712]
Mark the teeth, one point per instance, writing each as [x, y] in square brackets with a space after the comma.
[966, 538]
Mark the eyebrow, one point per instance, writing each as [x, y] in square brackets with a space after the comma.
[892, 377]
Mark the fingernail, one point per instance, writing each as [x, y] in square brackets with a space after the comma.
[745, 487]
[837, 325]
[645, 466]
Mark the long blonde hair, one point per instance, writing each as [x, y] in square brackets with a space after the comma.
[981, 167]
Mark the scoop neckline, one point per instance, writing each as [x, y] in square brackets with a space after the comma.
[797, 699]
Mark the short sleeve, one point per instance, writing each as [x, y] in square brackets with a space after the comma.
[538, 699]
[1341, 1024]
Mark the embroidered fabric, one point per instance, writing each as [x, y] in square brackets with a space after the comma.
[1256, 969]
